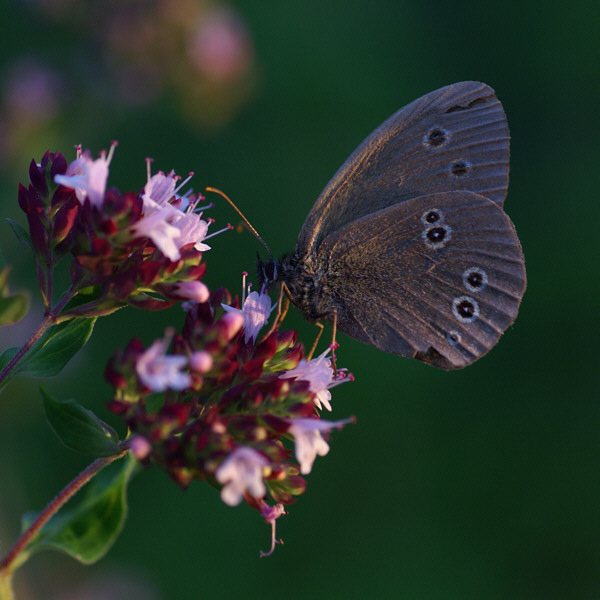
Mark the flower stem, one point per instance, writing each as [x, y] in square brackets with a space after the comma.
[53, 507]
[63, 301]
[6, 591]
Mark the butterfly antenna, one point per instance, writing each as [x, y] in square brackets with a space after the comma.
[239, 212]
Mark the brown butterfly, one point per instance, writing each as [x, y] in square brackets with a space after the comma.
[408, 248]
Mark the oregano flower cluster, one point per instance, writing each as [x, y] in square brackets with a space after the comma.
[215, 401]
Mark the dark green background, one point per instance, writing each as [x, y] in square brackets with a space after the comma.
[482, 483]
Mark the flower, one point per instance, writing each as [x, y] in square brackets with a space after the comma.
[155, 225]
[192, 229]
[270, 515]
[88, 177]
[169, 228]
[318, 372]
[308, 440]
[159, 190]
[242, 471]
[159, 371]
[256, 310]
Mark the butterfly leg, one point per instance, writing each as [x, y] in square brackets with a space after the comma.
[334, 345]
[314, 346]
[282, 310]
[280, 315]
[285, 310]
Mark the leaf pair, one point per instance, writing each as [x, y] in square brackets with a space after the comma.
[88, 528]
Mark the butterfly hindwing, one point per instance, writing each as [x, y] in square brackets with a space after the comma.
[438, 278]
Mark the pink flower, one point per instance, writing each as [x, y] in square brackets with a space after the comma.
[192, 229]
[169, 228]
[318, 372]
[256, 310]
[88, 177]
[308, 440]
[155, 225]
[240, 472]
[160, 371]
[159, 190]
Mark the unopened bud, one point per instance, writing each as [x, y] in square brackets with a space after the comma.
[193, 290]
[140, 447]
[233, 322]
[201, 362]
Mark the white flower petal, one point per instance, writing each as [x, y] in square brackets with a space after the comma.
[159, 190]
[308, 441]
[87, 177]
[160, 371]
[242, 471]
[318, 372]
[256, 311]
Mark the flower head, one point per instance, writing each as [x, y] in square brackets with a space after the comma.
[255, 310]
[308, 440]
[160, 371]
[159, 190]
[169, 228]
[319, 374]
[241, 472]
[87, 176]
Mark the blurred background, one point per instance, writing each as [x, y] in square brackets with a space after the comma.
[482, 483]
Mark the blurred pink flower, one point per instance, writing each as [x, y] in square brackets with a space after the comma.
[240, 472]
[220, 47]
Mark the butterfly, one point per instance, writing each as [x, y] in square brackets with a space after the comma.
[408, 248]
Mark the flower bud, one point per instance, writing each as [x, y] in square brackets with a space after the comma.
[193, 290]
[201, 362]
[233, 322]
[140, 447]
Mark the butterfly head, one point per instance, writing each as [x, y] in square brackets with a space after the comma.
[267, 272]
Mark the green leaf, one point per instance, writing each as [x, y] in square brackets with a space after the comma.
[13, 308]
[22, 235]
[79, 428]
[6, 356]
[84, 296]
[87, 530]
[52, 351]
[56, 348]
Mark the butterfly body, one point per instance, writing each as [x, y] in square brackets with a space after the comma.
[408, 247]
[308, 284]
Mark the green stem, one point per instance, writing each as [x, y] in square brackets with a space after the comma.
[6, 564]
[69, 294]
[6, 591]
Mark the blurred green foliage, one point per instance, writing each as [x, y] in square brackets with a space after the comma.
[482, 483]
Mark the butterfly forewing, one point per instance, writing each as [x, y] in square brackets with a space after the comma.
[455, 138]
[438, 278]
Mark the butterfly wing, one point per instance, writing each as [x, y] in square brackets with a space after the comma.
[438, 278]
[455, 138]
